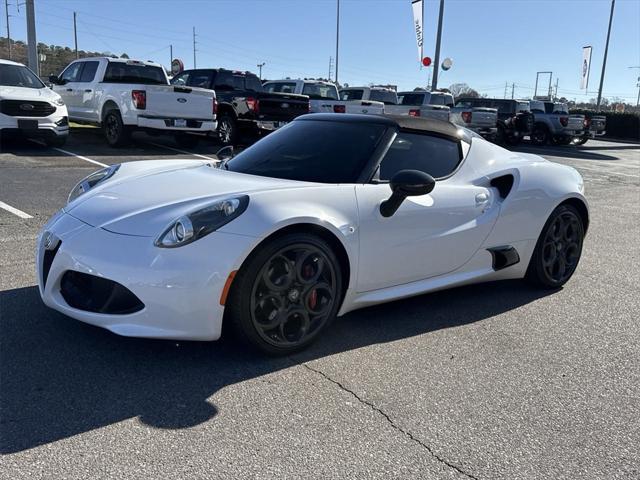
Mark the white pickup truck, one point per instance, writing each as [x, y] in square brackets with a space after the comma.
[122, 95]
[323, 97]
[422, 104]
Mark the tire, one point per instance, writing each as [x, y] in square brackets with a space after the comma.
[227, 130]
[580, 140]
[540, 135]
[187, 141]
[558, 249]
[513, 141]
[56, 141]
[115, 131]
[562, 141]
[270, 303]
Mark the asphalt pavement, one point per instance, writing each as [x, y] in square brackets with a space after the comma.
[493, 381]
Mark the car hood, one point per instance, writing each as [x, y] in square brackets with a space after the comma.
[143, 198]
[23, 93]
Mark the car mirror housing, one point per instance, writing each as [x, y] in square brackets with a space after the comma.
[406, 183]
[53, 79]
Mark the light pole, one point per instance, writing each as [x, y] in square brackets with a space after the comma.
[337, 36]
[604, 61]
[638, 85]
[6, 11]
[436, 62]
[260, 65]
[31, 36]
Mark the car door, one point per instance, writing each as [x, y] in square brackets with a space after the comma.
[86, 95]
[429, 235]
[69, 88]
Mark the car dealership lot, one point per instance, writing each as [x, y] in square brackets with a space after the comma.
[488, 381]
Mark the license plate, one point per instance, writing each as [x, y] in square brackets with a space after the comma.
[28, 124]
[180, 122]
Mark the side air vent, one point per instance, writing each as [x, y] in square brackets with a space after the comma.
[504, 184]
[504, 257]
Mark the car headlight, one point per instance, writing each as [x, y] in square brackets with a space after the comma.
[58, 101]
[91, 181]
[196, 225]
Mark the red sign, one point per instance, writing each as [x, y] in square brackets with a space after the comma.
[426, 61]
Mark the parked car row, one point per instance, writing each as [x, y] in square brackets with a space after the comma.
[124, 95]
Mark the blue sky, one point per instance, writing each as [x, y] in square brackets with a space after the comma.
[490, 41]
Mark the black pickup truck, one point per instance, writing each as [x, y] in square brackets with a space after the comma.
[244, 107]
[515, 119]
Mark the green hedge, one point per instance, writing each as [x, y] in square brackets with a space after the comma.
[619, 125]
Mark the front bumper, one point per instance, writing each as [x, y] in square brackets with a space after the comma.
[180, 288]
[55, 125]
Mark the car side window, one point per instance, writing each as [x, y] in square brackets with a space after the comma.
[72, 73]
[199, 79]
[88, 72]
[437, 156]
[224, 81]
[253, 84]
[180, 79]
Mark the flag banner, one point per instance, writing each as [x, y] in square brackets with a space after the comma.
[586, 66]
[417, 23]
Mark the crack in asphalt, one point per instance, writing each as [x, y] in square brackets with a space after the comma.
[392, 423]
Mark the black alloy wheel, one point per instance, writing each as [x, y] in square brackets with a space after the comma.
[558, 249]
[540, 135]
[227, 130]
[286, 294]
[116, 133]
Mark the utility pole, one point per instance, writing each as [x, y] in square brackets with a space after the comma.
[429, 79]
[436, 63]
[260, 65]
[337, 37]
[194, 47]
[556, 94]
[75, 34]
[330, 68]
[6, 11]
[506, 85]
[604, 61]
[32, 43]
[638, 85]
[170, 56]
[513, 87]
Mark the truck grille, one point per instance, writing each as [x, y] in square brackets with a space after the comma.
[96, 294]
[23, 108]
[282, 109]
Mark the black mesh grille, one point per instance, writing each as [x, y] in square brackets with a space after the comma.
[96, 294]
[47, 260]
[24, 108]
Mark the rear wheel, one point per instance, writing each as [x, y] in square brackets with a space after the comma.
[227, 130]
[115, 131]
[540, 135]
[186, 140]
[286, 294]
[558, 249]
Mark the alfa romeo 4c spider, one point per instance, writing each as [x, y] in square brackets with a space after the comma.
[329, 214]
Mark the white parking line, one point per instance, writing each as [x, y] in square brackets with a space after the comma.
[605, 171]
[183, 151]
[81, 157]
[15, 211]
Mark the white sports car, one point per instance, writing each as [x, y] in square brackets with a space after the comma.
[329, 214]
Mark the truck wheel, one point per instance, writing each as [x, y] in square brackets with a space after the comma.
[540, 135]
[580, 140]
[513, 140]
[562, 141]
[187, 141]
[116, 132]
[227, 130]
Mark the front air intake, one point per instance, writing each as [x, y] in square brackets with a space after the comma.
[97, 294]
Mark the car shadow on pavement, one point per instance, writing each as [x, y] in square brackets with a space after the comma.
[563, 151]
[60, 377]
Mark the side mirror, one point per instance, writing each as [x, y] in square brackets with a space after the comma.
[406, 183]
[225, 153]
[53, 79]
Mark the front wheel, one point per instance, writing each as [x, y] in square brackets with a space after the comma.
[115, 131]
[227, 130]
[285, 294]
[558, 249]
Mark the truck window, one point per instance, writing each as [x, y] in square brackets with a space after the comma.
[253, 83]
[318, 91]
[199, 78]
[441, 100]
[280, 87]
[385, 96]
[411, 98]
[121, 72]
[548, 107]
[72, 73]
[503, 106]
[351, 94]
[89, 71]
[523, 107]
[436, 156]
[560, 108]
[536, 106]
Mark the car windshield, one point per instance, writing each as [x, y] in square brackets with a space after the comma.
[320, 91]
[18, 76]
[121, 72]
[385, 96]
[312, 151]
[354, 94]
[410, 98]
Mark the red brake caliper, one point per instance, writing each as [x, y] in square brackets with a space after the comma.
[313, 299]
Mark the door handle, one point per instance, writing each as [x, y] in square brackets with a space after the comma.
[88, 90]
[69, 89]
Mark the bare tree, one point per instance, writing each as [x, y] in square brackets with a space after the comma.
[462, 90]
